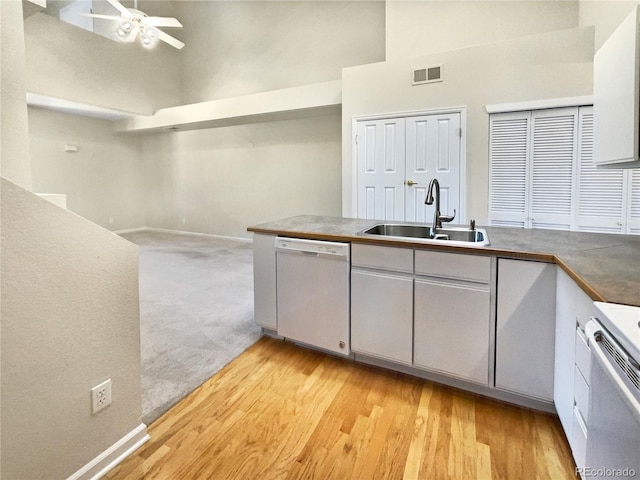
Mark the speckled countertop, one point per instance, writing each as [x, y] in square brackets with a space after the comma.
[607, 267]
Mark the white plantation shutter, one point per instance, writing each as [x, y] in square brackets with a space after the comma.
[508, 158]
[633, 215]
[600, 201]
[541, 175]
[554, 147]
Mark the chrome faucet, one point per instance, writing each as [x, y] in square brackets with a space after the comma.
[437, 218]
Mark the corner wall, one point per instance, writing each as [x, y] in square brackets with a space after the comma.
[70, 320]
[103, 180]
[522, 69]
[221, 180]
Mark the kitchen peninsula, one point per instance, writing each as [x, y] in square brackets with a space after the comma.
[605, 266]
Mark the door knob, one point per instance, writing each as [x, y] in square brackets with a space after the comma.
[410, 182]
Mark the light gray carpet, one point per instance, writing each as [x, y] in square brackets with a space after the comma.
[196, 312]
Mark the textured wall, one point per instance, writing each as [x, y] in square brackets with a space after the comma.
[70, 320]
[103, 180]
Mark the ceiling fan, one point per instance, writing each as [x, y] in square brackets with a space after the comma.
[133, 23]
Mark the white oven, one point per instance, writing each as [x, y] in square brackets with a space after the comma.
[613, 438]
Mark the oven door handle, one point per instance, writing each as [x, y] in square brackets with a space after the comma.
[593, 330]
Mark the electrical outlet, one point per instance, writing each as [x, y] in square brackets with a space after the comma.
[101, 396]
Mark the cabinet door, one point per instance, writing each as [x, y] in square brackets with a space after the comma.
[616, 97]
[382, 315]
[264, 281]
[452, 325]
[525, 327]
[565, 350]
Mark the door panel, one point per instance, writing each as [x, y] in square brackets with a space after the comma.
[433, 151]
[381, 169]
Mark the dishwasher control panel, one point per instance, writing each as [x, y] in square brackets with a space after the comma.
[312, 247]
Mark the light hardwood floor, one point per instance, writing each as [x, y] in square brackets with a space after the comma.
[281, 411]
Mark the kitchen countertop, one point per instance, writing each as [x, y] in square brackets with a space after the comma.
[606, 266]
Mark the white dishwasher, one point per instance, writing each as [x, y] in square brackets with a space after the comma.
[613, 430]
[313, 292]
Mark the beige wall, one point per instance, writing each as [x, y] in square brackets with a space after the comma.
[605, 15]
[69, 310]
[69, 321]
[68, 62]
[422, 27]
[14, 147]
[103, 180]
[236, 48]
[523, 69]
[221, 180]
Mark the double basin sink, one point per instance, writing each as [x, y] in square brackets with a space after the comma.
[422, 233]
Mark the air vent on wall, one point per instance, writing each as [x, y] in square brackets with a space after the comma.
[426, 75]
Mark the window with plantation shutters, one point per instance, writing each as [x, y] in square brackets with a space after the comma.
[541, 175]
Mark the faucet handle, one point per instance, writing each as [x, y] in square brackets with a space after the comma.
[472, 225]
[448, 218]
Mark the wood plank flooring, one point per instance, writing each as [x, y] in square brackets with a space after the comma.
[283, 412]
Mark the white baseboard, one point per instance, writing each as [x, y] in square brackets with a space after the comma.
[130, 230]
[181, 232]
[197, 234]
[112, 456]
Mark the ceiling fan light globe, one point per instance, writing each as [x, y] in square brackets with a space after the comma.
[151, 32]
[126, 27]
[148, 41]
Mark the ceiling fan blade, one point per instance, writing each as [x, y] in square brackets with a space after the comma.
[105, 17]
[124, 11]
[174, 42]
[162, 22]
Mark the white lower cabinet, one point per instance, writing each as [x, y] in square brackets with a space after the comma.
[452, 330]
[382, 302]
[572, 363]
[525, 328]
[381, 315]
[563, 377]
[452, 315]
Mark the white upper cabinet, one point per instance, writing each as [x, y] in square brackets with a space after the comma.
[616, 97]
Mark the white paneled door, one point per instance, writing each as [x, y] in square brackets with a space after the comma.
[433, 151]
[381, 169]
[396, 159]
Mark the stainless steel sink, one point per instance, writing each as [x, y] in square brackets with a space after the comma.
[422, 233]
